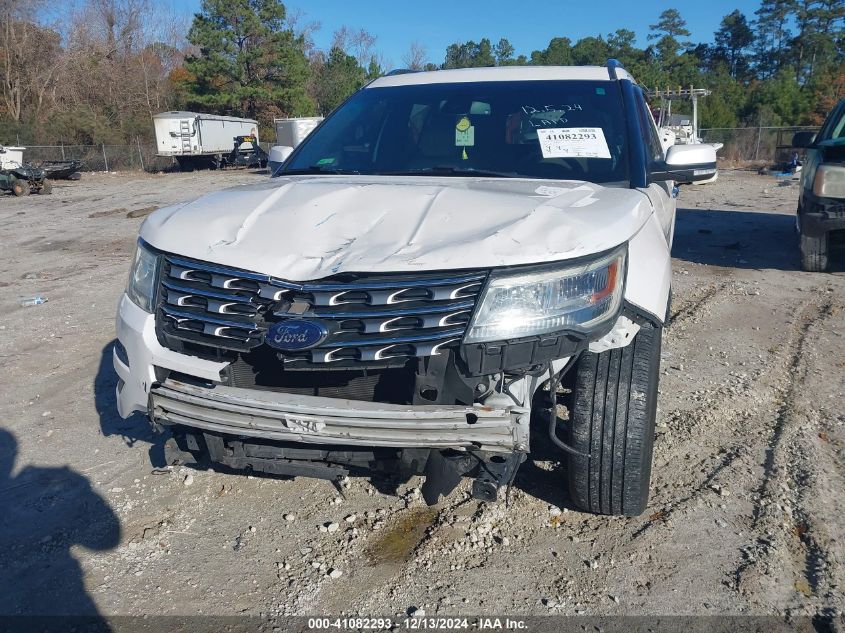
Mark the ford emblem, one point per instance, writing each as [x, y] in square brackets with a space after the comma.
[296, 334]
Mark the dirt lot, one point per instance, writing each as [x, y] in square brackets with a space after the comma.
[746, 507]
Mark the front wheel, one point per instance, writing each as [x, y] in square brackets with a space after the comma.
[814, 252]
[613, 415]
[46, 187]
[20, 188]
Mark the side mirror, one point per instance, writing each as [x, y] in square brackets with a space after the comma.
[278, 154]
[687, 163]
[803, 139]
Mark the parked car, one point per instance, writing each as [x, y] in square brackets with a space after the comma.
[821, 201]
[421, 275]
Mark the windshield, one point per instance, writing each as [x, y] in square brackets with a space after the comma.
[833, 129]
[563, 130]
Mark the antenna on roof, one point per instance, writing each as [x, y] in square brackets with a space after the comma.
[612, 65]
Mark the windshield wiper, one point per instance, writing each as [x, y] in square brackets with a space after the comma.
[448, 170]
[317, 169]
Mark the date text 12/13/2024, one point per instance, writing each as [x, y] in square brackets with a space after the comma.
[420, 623]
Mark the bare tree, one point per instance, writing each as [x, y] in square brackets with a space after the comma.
[119, 56]
[416, 57]
[29, 59]
[303, 29]
[360, 44]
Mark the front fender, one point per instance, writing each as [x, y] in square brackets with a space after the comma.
[649, 270]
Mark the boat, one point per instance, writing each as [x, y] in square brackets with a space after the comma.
[680, 129]
[62, 169]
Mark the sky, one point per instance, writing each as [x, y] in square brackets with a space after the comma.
[528, 25]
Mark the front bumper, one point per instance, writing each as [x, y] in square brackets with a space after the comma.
[316, 420]
[821, 215]
[136, 371]
[262, 414]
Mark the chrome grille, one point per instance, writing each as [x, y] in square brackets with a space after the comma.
[369, 317]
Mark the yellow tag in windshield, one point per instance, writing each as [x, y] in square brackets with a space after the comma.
[464, 133]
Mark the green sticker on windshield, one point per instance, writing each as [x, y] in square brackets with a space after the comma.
[326, 161]
[599, 91]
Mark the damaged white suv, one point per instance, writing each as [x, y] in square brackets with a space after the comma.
[410, 289]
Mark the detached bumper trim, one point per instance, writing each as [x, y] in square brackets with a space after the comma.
[309, 419]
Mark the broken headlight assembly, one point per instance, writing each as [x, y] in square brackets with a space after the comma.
[142, 278]
[579, 297]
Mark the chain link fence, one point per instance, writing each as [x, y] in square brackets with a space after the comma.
[772, 145]
[101, 157]
[746, 144]
[137, 156]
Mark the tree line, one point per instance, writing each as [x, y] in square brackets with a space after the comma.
[99, 74]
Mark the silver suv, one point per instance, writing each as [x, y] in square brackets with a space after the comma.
[409, 291]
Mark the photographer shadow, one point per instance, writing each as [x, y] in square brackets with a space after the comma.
[46, 511]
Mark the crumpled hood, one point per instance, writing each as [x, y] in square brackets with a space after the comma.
[302, 228]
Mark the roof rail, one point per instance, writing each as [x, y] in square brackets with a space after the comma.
[400, 71]
[612, 65]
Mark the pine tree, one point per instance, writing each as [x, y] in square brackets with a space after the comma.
[557, 53]
[772, 34]
[470, 55]
[336, 78]
[248, 62]
[669, 31]
[818, 43]
[732, 39]
[503, 51]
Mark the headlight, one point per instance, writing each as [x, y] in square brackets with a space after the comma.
[576, 297]
[142, 279]
[829, 181]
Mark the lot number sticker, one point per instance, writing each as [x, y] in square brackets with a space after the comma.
[573, 142]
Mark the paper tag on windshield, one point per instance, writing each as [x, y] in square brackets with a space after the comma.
[465, 138]
[464, 133]
[573, 142]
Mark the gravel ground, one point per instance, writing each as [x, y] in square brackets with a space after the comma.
[745, 514]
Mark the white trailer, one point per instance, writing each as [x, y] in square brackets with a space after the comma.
[291, 132]
[197, 139]
[11, 157]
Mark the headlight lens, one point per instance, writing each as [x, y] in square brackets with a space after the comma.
[142, 279]
[578, 297]
[829, 181]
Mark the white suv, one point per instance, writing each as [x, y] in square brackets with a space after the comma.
[409, 290]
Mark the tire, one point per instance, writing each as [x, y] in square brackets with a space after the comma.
[46, 188]
[20, 188]
[814, 250]
[613, 414]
